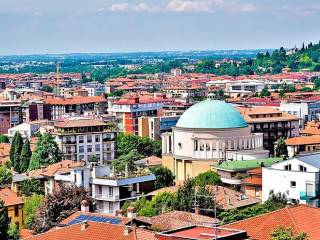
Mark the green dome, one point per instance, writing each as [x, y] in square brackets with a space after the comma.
[211, 114]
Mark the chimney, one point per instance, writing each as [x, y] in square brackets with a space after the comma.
[197, 210]
[131, 212]
[119, 213]
[84, 206]
[127, 230]
[84, 225]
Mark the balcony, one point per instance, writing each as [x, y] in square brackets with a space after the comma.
[308, 196]
[107, 197]
[70, 142]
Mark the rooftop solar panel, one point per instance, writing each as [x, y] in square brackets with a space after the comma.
[83, 217]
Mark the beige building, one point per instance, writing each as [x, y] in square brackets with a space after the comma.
[207, 133]
[79, 139]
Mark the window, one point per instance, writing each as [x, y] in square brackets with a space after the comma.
[81, 157]
[97, 138]
[89, 139]
[293, 184]
[81, 149]
[287, 167]
[98, 157]
[302, 168]
[80, 139]
[16, 211]
[89, 148]
[111, 207]
[110, 191]
[97, 147]
[309, 189]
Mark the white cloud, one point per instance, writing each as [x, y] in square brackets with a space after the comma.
[208, 6]
[191, 6]
[143, 7]
[119, 7]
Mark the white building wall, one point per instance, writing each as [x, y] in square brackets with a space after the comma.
[278, 179]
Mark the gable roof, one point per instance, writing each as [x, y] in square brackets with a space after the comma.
[177, 219]
[312, 159]
[96, 231]
[10, 197]
[301, 218]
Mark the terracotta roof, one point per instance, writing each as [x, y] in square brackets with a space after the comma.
[248, 112]
[79, 123]
[228, 198]
[4, 152]
[75, 100]
[59, 167]
[301, 218]
[10, 197]
[177, 219]
[25, 233]
[150, 161]
[95, 231]
[304, 140]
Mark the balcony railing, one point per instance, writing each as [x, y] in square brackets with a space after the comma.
[308, 196]
[107, 197]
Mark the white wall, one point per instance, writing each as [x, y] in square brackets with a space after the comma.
[279, 180]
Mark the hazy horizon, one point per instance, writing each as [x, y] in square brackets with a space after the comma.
[112, 26]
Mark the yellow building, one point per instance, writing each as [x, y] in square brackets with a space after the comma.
[14, 203]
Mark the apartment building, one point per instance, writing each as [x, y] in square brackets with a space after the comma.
[110, 190]
[299, 178]
[10, 114]
[153, 127]
[305, 110]
[128, 110]
[81, 139]
[273, 123]
[78, 105]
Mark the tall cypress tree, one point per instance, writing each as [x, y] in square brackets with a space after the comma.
[25, 156]
[17, 152]
[4, 221]
[13, 148]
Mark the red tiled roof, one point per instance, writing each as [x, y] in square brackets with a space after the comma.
[79, 123]
[10, 197]
[75, 100]
[95, 231]
[301, 218]
[304, 140]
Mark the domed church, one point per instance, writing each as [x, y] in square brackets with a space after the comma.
[207, 133]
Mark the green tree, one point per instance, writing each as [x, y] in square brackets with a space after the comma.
[207, 178]
[127, 159]
[15, 151]
[185, 196]
[47, 88]
[265, 92]
[144, 145]
[31, 186]
[282, 233]
[281, 148]
[57, 206]
[5, 175]
[306, 89]
[13, 232]
[31, 205]
[47, 152]
[4, 221]
[4, 139]
[25, 156]
[164, 177]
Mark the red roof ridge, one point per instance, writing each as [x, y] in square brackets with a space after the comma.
[261, 215]
[292, 219]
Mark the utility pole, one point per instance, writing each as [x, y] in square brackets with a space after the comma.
[208, 210]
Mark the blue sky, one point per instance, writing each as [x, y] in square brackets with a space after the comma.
[68, 26]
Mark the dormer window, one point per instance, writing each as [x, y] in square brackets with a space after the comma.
[302, 168]
[287, 167]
